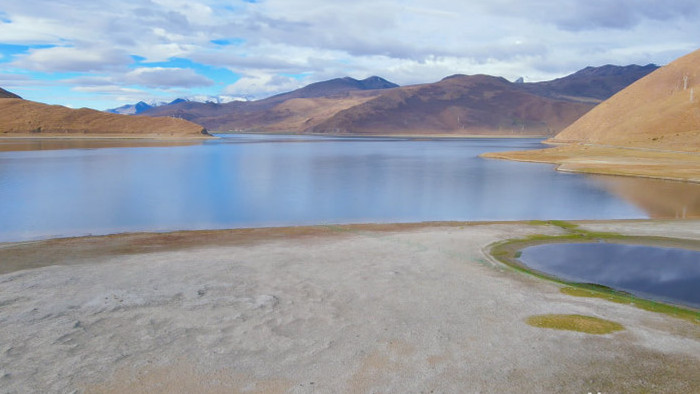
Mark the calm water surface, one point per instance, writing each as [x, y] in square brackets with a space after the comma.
[665, 274]
[253, 181]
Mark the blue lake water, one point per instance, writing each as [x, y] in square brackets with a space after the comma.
[254, 181]
[665, 274]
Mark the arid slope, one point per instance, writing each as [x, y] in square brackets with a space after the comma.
[461, 104]
[28, 118]
[660, 111]
[294, 111]
[651, 128]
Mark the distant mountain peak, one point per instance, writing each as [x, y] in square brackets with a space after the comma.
[142, 106]
[592, 82]
[131, 109]
[611, 70]
[478, 78]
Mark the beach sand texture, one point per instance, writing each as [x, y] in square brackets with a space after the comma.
[377, 308]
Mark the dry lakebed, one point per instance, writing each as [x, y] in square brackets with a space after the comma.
[354, 308]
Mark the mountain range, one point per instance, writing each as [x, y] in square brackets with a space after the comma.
[141, 106]
[456, 105]
[460, 104]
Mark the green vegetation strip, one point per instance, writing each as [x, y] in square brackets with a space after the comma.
[580, 323]
[508, 252]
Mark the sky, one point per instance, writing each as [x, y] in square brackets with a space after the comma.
[105, 53]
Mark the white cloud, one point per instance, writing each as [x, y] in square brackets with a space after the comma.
[261, 84]
[166, 77]
[408, 41]
[72, 59]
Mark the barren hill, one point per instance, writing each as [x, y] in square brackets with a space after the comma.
[338, 87]
[460, 104]
[659, 111]
[293, 111]
[651, 129]
[23, 117]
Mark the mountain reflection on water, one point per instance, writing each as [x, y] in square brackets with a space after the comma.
[658, 198]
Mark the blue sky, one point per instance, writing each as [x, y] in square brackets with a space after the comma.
[103, 54]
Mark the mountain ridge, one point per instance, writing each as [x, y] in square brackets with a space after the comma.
[461, 104]
[345, 105]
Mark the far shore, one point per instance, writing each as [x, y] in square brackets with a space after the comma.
[390, 135]
[683, 166]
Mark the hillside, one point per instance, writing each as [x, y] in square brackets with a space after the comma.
[293, 111]
[338, 87]
[456, 105]
[660, 111]
[460, 104]
[28, 118]
[651, 128]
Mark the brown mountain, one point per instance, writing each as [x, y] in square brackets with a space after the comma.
[293, 111]
[651, 129]
[29, 118]
[659, 111]
[338, 87]
[591, 83]
[456, 105]
[477, 104]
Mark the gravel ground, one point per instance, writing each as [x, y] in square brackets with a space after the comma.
[415, 308]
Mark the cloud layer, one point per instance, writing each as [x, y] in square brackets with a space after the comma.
[159, 48]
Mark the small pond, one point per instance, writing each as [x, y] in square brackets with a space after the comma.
[664, 274]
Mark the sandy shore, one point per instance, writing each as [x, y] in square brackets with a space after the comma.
[373, 308]
[608, 160]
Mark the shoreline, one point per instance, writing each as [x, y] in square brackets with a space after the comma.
[680, 166]
[291, 230]
[390, 135]
[17, 254]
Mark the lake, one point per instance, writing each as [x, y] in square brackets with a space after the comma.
[69, 188]
[663, 274]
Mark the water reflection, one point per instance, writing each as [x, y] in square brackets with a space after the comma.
[29, 144]
[658, 198]
[666, 274]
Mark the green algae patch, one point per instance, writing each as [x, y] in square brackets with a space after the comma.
[621, 297]
[580, 323]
